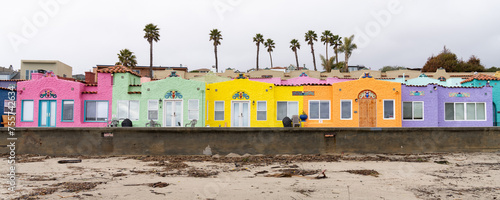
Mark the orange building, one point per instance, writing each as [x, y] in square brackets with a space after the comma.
[366, 102]
[318, 106]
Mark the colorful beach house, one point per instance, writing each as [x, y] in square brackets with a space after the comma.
[169, 102]
[434, 105]
[480, 80]
[242, 103]
[366, 102]
[49, 101]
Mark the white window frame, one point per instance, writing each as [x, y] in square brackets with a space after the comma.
[350, 109]
[156, 108]
[265, 110]
[393, 109]
[97, 110]
[287, 104]
[24, 111]
[319, 110]
[412, 111]
[128, 110]
[465, 111]
[223, 112]
[62, 111]
[197, 110]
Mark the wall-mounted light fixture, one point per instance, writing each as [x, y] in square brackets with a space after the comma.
[356, 100]
[435, 88]
[253, 103]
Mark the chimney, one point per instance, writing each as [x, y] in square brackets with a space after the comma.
[90, 77]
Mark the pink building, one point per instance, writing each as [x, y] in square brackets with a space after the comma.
[51, 101]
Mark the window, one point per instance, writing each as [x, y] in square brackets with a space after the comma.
[68, 109]
[28, 73]
[27, 115]
[389, 109]
[261, 110]
[346, 109]
[96, 111]
[319, 110]
[193, 109]
[413, 110]
[469, 111]
[128, 110]
[153, 110]
[8, 105]
[219, 111]
[287, 109]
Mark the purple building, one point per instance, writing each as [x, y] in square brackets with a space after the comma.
[438, 106]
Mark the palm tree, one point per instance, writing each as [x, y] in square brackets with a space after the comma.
[310, 38]
[294, 45]
[336, 42]
[151, 34]
[258, 39]
[327, 63]
[126, 58]
[216, 37]
[326, 38]
[347, 49]
[269, 44]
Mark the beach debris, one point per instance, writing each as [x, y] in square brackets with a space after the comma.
[207, 151]
[157, 193]
[365, 172]
[77, 186]
[322, 175]
[118, 174]
[233, 155]
[158, 185]
[41, 178]
[37, 192]
[170, 165]
[292, 172]
[305, 192]
[443, 162]
[261, 172]
[69, 161]
[200, 173]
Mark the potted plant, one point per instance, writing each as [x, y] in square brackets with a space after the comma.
[303, 116]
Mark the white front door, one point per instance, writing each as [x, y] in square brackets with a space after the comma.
[47, 113]
[240, 114]
[172, 113]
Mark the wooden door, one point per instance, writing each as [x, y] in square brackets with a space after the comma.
[367, 109]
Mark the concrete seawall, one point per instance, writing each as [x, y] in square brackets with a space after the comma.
[192, 141]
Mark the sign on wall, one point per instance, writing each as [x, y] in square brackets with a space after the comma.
[459, 94]
[304, 93]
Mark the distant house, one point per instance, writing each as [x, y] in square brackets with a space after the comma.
[144, 70]
[356, 68]
[34, 66]
[8, 73]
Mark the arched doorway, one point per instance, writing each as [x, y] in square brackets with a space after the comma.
[367, 108]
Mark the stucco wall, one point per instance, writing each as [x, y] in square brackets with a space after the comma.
[495, 96]
[268, 141]
[321, 93]
[350, 90]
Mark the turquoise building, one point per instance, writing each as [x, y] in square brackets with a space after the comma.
[479, 80]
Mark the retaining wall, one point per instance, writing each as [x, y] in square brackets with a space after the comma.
[192, 141]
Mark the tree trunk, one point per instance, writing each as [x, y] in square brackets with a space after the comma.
[346, 68]
[336, 55]
[296, 59]
[327, 51]
[314, 59]
[271, 59]
[151, 60]
[216, 61]
[258, 57]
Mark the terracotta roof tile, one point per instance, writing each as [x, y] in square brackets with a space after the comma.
[138, 85]
[135, 92]
[3, 88]
[118, 69]
[91, 85]
[89, 92]
[481, 77]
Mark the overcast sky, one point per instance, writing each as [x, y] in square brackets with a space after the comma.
[86, 33]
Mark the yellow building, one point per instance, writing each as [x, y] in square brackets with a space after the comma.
[32, 66]
[240, 103]
[366, 102]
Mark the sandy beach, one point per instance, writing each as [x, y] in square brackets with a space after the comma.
[426, 176]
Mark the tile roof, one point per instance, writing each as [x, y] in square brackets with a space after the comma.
[3, 88]
[91, 85]
[89, 92]
[118, 69]
[135, 92]
[481, 77]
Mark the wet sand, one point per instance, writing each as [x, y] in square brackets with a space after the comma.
[426, 176]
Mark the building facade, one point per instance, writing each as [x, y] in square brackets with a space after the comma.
[33, 66]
